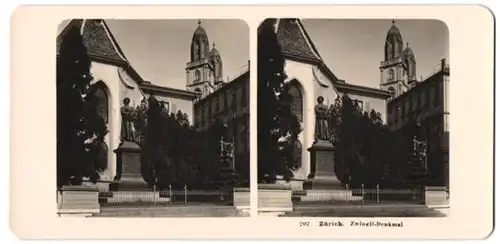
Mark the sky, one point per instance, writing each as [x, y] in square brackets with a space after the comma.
[159, 49]
[353, 49]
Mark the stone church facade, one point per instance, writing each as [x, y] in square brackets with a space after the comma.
[310, 78]
[117, 80]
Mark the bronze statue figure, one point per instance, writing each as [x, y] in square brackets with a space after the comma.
[321, 131]
[128, 114]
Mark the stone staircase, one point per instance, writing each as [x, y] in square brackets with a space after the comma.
[324, 196]
[179, 211]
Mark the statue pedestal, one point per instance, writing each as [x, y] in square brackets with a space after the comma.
[128, 175]
[322, 174]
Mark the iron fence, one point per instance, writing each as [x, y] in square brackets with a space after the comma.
[149, 197]
[357, 196]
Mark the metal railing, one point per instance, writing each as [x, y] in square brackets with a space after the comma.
[438, 68]
[357, 196]
[170, 197]
[241, 70]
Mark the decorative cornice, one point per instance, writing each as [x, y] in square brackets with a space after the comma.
[373, 92]
[150, 88]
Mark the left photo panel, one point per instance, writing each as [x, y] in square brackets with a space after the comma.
[153, 118]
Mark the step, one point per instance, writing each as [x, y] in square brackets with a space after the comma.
[134, 197]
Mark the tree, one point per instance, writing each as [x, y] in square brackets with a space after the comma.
[80, 129]
[277, 126]
[167, 142]
[225, 176]
[360, 142]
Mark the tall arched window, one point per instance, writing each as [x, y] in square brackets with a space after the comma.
[197, 75]
[296, 101]
[200, 50]
[390, 52]
[102, 156]
[102, 103]
[219, 68]
[297, 152]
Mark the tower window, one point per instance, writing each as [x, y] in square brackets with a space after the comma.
[200, 50]
[197, 75]
[391, 74]
[389, 51]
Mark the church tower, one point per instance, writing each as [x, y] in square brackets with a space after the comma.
[200, 70]
[216, 63]
[394, 69]
[411, 64]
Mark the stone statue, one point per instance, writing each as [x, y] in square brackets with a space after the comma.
[321, 131]
[128, 114]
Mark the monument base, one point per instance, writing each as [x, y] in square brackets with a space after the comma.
[330, 182]
[129, 183]
[322, 167]
[129, 176]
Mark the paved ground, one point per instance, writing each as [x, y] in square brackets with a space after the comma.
[175, 211]
[397, 210]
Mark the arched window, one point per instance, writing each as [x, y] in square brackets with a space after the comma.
[102, 156]
[389, 51]
[296, 101]
[200, 50]
[391, 74]
[218, 68]
[297, 152]
[102, 103]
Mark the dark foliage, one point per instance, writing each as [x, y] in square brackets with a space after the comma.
[277, 126]
[80, 129]
[368, 153]
[226, 176]
[168, 143]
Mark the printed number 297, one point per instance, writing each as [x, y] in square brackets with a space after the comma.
[304, 223]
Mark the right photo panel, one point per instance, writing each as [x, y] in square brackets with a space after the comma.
[352, 118]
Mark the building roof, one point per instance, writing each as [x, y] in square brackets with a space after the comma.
[295, 41]
[98, 39]
[199, 32]
[394, 31]
[103, 47]
[214, 52]
[296, 44]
